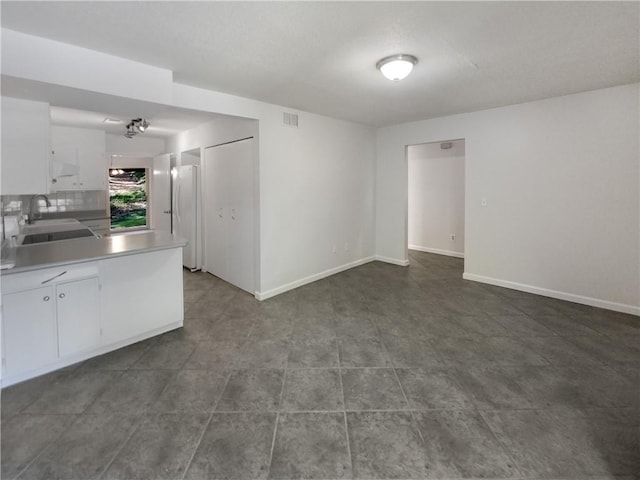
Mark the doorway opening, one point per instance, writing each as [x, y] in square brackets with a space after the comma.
[436, 191]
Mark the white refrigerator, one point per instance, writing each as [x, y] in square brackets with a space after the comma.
[185, 213]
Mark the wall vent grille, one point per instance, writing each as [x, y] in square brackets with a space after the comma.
[290, 119]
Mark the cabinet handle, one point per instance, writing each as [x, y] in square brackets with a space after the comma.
[53, 278]
[46, 298]
[61, 295]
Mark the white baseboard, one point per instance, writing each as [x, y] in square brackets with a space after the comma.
[593, 302]
[448, 253]
[394, 261]
[311, 278]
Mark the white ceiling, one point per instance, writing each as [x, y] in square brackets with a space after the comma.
[320, 56]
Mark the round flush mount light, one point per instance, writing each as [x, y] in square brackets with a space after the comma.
[397, 67]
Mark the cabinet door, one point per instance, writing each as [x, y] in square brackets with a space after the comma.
[92, 169]
[217, 211]
[25, 147]
[78, 309]
[29, 325]
[64, 168]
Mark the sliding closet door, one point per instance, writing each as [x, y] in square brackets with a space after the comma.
[241, 221]
[216, 229]
[230, 213]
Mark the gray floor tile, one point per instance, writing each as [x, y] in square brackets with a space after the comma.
[213, 355]
[320, 352]
[508, 351]
[165, 355]
[234, 446]
[252, 390]
[24, 436]
[160, 449]
[461, 445]
[256, 353]
[312, 389]
[310, 445]
[560, 351]
[363, 352]
[73, 393]
[386, 445]
[564, 325]
[84, 450]
[435, 388]
[192, 391]
[522, 326]
[492, 388]
[542, 446]
[411, 352]
[606, 348]
[134, 392]
[17, 397]
[231, 330]
[120, 359]
[479, 325]
[372, 389]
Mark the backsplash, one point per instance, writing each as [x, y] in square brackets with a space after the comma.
[60, 202]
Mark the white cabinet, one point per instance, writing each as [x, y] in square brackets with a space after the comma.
[25, 146]
[45, 319]
[78, 313]
[29, 330]
[230, 230]
[77, 159]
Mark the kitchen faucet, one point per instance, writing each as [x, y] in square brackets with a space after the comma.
[31, 216]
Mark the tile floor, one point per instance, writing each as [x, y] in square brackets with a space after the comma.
[379, 372]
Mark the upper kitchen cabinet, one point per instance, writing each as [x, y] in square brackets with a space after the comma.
[25, 146]
[77, 159]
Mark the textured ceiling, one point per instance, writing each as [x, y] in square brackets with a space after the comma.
[320, 56]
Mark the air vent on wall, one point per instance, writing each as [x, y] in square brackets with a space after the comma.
[446, 145]
[290, 119]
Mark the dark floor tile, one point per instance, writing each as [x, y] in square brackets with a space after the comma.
[193, 330]
[321, 352]
[410, 352]
[610, 323]
[252, 390]
[24, 436]
[311, 445]
[478, 325]
[363, 352]
[386, 445]
[234, 446]
[355, 326]
[192, 391]
[455, 351]
[508, 351]
[256, 353]
[522, 326]
[120, 359]
[272, 328]
[608, 349]
[17, 397]
[213, 355]
[564, 325]
[134, 392]
[542, 446]
[230, 330]
[492, 388]
[435, 388]
[599, 386]
[372, 389]
[560, 351]
[84, 450]
[73, 393]
[460, 444]
[165, 355]
[312, 389]
[160, 449]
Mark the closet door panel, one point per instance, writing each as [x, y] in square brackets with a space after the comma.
[217, 213]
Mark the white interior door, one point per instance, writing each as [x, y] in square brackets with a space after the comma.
[161, 193]
[230, 213]
[186, 213]
[241, 225]
[216, 230]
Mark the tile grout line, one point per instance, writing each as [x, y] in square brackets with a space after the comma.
[204, 430]
[143, 418]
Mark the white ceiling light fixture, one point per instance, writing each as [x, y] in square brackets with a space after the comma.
[397, 67]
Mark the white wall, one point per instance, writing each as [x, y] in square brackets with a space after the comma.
[561, 179]
[138, 145]
[316, 183]
[436, 198]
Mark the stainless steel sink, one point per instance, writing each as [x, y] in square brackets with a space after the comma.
[55, 236]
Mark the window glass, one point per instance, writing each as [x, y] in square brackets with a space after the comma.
[128, 198]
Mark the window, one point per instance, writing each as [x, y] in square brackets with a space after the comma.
[128, 195]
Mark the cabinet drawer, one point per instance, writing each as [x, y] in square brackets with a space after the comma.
[48, 276]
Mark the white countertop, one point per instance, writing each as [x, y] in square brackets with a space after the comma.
[64, 252]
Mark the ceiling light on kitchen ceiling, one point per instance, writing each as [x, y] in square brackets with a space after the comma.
[136, 126]
[111, 121]
[397, 67]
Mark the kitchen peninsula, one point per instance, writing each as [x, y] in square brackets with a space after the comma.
[71, 300]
